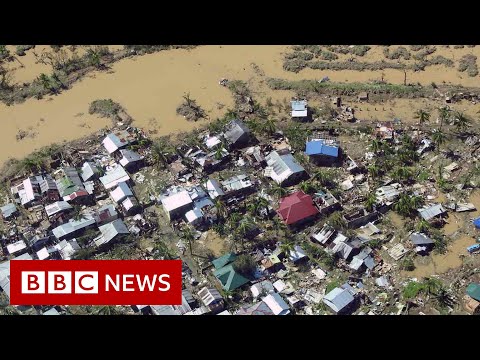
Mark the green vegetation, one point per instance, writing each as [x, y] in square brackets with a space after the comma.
[105, 108]
[468, 63]
[407, 264]
[190, 109]
[311, 87]
[245, 265]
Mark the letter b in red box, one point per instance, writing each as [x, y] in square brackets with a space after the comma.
[96, 282]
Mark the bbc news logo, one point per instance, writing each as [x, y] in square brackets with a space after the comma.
[96, 282]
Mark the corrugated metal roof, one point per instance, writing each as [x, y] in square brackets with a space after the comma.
[48, 184]
[318, 147]
[72, 226]
[110, 231]
[213, 188]
[431, 212]
[8, 210]
[88, 170]
[129, 157]
[236, 183]
[298, 105]
[56, 207]
[276, 304]
[113, 177]
[121, 192]
[115, 141]
[235, 130]
[338, 299]
[176, 201]
[282, 165]
[420, 239]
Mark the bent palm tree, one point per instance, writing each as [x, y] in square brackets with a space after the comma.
[422, 116]
[438, 137]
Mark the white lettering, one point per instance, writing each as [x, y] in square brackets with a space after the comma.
[115, 284]
[146, 281]
[127, 282]
[166, 283]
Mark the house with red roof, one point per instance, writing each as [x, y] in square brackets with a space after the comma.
[297, 209]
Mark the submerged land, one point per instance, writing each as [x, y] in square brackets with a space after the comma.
[398, 128]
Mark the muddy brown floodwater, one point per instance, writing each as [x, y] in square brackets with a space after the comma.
[150, 87]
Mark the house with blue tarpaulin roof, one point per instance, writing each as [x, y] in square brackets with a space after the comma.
[323, 152]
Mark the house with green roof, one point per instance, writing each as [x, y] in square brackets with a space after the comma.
[224, 260]
[473, 290]
[230, 278]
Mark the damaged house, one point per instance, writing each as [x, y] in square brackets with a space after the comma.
[326, 202]
[323, 152]
[237, 134]
[118, 140]
[434, 213]
[111, 233]
[130, 160]
[359, 217]
[114, 176]
[283, 168]
[423, 244]
[28, 192]
[299, 110]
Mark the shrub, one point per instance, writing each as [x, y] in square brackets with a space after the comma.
[407, 264]
[105, 108]
[20, 50]
[400, 52]
[468, 63]
[306, 56]
[245, 265]
[412, 289]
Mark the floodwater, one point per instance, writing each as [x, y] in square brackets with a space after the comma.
[440, 263]
[150, 87]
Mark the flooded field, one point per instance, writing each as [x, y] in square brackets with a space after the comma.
[440, 263]
[150, 87]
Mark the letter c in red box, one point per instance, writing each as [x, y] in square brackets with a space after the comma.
[96, 282]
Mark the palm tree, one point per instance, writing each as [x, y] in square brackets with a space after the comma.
[219, 153]
[324, 177]
[245, 225]
[337, 221]
[375, 145]
[401, 173]
[233, 220]
[221, 208]
[438, 137]
[160, 149]
[422, 116]
[44, 81]
[107, 310]
[444, 114]
[404, 205]
[307, 187]
[431, 285]
[371, 201]
[287, 246]
[93, 58]
[373, 170]
[77, 213]
[444, 298]
[31, 164]
[5, 307]
[269, 126]
[188, 234]
[278, 191]
[423, 226]
[461, 122]
[416, 201]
